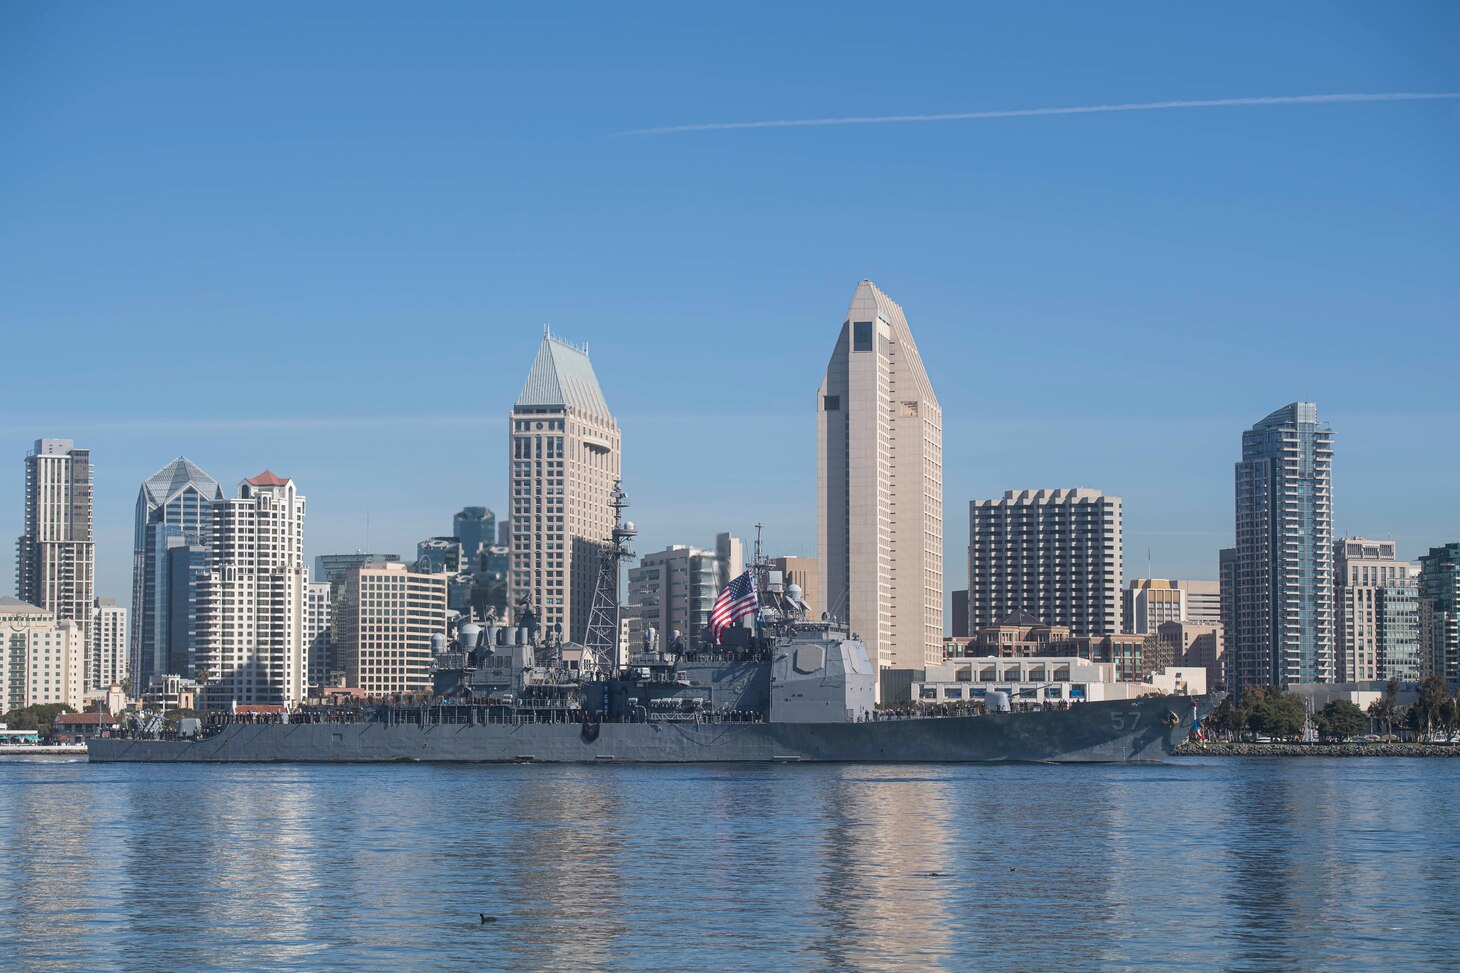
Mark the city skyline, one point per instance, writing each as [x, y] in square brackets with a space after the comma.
[1100, 299]
[385, 532]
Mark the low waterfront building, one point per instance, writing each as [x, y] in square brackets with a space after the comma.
[1017, 635]
[1055, 679]
[77, 727]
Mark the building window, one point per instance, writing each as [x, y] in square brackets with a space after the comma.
[861, 336]
[831, 403]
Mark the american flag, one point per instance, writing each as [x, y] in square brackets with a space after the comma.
[735, 602]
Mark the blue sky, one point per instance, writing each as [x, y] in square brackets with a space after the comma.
[323, 238]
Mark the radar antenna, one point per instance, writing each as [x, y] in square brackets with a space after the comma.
[600, 643]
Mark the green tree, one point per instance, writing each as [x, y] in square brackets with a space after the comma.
[1280, 715]
[1341, 720]
[38, 717]
[1431, 704]
[1224, 719]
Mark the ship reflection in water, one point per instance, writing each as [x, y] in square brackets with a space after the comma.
[1250, 865]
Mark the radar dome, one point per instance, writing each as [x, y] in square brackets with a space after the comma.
[468, 635]
[793, 592]
[438, 643]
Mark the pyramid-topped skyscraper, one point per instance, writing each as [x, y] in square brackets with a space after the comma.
[174, 511]
[880, 487]
[563, 463]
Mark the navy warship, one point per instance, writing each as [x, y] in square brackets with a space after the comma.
[792, 689]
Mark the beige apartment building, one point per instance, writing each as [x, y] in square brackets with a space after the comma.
[563, 454]
[383, 625]
[251, 607]
[1376, 609]
[880, 487]
[42, 658]
[1151, 601]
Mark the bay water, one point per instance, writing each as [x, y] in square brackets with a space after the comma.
[1200, 864]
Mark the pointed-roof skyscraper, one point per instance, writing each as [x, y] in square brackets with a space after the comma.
[174, 508]
[563, 460]
[880, 486]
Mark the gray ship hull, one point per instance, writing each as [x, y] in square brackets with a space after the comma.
[1107, 732]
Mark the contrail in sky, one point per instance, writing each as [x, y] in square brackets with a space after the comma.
[1031, 112]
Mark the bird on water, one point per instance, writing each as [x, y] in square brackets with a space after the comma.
[486, 918]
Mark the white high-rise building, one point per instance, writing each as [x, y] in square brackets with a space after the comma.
[1052, 553]
[55, 557]
[251, 606]
[879, 487]
[563, 453]
[109, 655]
[42, 658]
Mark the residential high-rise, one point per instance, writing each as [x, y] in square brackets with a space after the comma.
[42, 657]
[1284, 569]
[108, 663]
[1376, 613]
[174, 510]
[383, 627]
[318, 646]
[251, 604]
[1439, 604]
[879, 486]
[1055, 554]
[674, 589]
[564, 462]
[55, 557]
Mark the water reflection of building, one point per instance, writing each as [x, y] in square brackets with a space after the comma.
[881, 837]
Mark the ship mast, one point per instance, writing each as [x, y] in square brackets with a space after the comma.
[600, 643]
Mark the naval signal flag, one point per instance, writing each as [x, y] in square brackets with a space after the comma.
[735, 602]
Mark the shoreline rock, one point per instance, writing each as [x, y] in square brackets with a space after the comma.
[1317, 750]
